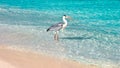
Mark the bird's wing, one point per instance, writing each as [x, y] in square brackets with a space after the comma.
[55, 27]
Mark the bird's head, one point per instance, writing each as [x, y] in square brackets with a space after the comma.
[64, 16]
[67, 17]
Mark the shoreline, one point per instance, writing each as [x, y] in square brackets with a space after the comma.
[21, 59]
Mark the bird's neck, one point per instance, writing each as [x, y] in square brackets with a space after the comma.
[65, 21]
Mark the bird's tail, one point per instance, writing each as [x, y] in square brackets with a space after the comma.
[48, 29]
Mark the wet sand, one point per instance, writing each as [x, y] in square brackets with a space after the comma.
[10, 58]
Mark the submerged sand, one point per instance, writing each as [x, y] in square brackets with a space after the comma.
[18, 59]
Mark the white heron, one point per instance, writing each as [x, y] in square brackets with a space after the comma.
[59, 26]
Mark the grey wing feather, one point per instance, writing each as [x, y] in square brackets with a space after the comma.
[55, 27]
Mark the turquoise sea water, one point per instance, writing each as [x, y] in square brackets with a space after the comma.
[93, 35]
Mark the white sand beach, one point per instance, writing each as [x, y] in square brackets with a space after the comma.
[16, 59]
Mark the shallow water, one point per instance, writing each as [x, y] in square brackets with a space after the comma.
[93, 33]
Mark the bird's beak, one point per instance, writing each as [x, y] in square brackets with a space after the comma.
[69, 17]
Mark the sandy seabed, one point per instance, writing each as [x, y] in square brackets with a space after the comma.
[10, 58]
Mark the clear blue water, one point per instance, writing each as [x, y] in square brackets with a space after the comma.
[93, 33]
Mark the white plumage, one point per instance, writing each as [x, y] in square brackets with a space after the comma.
[58, 26]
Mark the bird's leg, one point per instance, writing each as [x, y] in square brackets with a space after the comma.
[56, 36]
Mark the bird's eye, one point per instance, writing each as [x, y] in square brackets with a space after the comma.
[65, 15]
